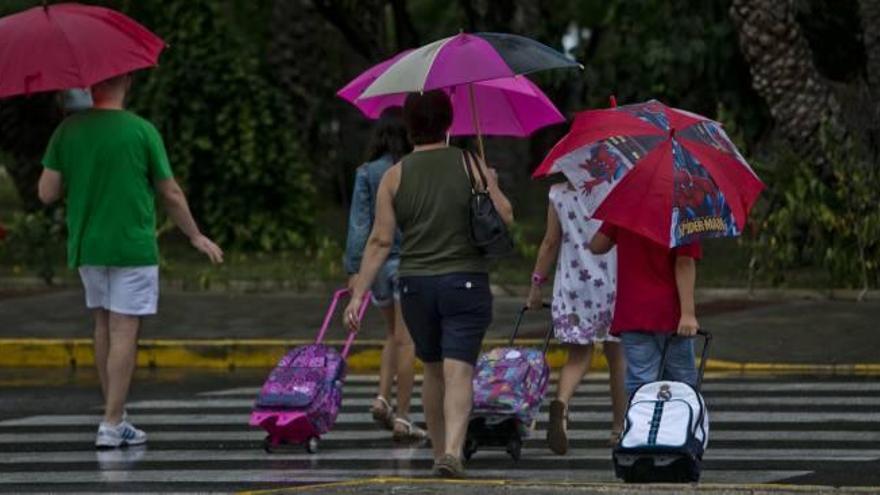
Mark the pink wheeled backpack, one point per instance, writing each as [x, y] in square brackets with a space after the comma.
[301, 398]
[509, 386]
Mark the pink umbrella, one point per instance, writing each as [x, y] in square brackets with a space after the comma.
[511, 106]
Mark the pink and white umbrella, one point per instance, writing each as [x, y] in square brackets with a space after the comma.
[466, 58]
[512, 106]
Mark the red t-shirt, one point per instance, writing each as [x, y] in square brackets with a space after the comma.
[647, 296]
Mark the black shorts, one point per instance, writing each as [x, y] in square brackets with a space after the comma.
[447, 315]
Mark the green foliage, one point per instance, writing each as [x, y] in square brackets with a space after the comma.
[524, 248]
[34, 241]
[229, 130]
[684, 53]
[829, 220]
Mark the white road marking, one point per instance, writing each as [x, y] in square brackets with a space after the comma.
[316, 474]
[350, 418]
[257, 435]
[365, 402]
[121, 458]
[590, 386]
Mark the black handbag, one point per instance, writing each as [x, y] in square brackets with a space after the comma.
[488, 231]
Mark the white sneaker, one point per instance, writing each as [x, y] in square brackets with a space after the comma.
[123, 434]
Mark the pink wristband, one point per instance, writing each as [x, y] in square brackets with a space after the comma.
[538, 280]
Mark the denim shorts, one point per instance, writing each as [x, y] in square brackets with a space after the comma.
[643, 352]
[447, 315]
[384, 287]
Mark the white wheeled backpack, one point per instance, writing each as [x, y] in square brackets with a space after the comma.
[666, 430]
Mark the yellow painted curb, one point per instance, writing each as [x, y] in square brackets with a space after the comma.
[365, 356]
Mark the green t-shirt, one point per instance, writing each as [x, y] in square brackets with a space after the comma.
[110, 161]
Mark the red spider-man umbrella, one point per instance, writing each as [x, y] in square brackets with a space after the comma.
[69, 45]
[667, 174]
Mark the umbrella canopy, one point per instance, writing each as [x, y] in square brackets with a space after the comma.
[667, 174]
[465, 58]
[70, 46]
[512, 106]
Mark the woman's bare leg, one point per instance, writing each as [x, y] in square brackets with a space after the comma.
[432, 401]
[405, 356]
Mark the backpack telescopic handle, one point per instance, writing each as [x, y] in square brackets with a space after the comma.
[707, 336]
[338, 296]
[519, 319]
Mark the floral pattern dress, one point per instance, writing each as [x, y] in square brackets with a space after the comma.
[585, 285]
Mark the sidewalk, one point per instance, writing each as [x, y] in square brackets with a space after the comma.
[257, 327]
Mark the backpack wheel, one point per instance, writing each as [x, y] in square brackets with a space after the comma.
[514, 448]
[269, 444]
[312, 445]
[470, 448]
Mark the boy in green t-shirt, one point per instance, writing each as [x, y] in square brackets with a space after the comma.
[110, 163]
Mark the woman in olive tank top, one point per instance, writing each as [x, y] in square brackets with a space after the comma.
[444, 279]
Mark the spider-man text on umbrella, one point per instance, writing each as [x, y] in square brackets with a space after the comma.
[667, 174]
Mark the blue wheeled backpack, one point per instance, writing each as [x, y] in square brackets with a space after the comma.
[666, 430]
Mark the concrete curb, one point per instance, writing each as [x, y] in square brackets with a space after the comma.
[385, 484]
[365, 356]
[236, 286]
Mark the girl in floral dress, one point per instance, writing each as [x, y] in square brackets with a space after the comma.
[583, 304]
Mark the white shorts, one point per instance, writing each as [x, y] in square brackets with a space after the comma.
[129, 290]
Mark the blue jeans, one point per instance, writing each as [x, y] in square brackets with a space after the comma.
[384, 287]
[644, 351]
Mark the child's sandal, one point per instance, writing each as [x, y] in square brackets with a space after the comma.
[410, 432]
[383, 415]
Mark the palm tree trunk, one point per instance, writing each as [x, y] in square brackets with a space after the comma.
[784, 74]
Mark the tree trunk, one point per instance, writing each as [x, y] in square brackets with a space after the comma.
[405, 31]
[869, 11]
[784, 74]
[870, 14]
[362, 22]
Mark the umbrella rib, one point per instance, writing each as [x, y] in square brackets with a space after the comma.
[516, 120]
[79, 72]
[430, 65]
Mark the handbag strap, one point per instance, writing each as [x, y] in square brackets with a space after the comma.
[469, 161]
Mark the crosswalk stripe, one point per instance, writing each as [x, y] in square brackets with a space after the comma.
[257, 435]
[348, 418]
[205, 440]
[415, 453]
[860, 387]
[316, 475]
[226, 403]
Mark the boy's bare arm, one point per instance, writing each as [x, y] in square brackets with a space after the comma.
[601, 243]
[50, 186]
[685, 280]
[178, 209]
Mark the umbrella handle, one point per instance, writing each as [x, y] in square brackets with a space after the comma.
[476, 120]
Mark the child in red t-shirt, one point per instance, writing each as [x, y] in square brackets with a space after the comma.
[655, 301]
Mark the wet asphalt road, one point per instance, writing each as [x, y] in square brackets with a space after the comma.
[802, 430]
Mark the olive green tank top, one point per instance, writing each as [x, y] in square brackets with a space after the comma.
[432, 206]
